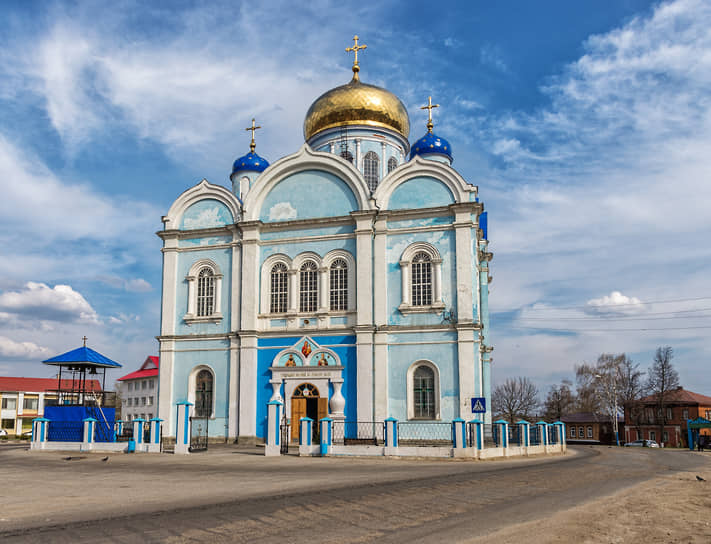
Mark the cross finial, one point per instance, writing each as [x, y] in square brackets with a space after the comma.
[355, 50]
[430, 106]
[252, 145]
[84, 338]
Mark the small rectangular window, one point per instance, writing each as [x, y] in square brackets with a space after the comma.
[572, 432]
[669, 414]
[29, 404]
[685, 413]
[590, 432]
[9, 403]
[143, 401]
[144, 384]
[151, 384]
[652, 435]
[150, 401]
[665, 436]
[581, 432]
[8, 423]
[130, 386]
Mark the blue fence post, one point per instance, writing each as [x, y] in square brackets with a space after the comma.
[476, 427]
[459, 436]
[88, 438]
[39, 432]
[690, 435]
[305, 431]
[525, 439]
[155, 430]
[325, 435]
[391, 434]
[119, 427]
[182, 428]
[560, 434]
[503, 433]
[138, 430]
[542, 432]
[273, 446]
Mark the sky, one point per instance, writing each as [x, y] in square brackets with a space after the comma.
[586, 126]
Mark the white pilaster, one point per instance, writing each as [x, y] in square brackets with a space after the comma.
[165, 385]
[364, 263]
[170, 284]
[380, 376]
[323, 291]
[247, 430]
[383, 161]
[467, 358]
[293, 278]
[364, 375]
[463, 226]
[250, 276]
[357, 155]
[380, 287]
[233, 389]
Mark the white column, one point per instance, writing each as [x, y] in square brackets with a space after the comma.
[40, 405]
[233, 389]
[191, 295]
[383, 161]
[467, 363]
[405, 273]
[380, 376]
[380, 269]
[364, 263]
[463, 226]
[18, 413]
[182, 435]
[235, 295]
[247, 430]
[357, 155]
[250, 276]
[170, 284]
[323, 291]
[332, 147]
[437, 287]
[218, 294]
[364, 375]
[165, 385]
[293, 278]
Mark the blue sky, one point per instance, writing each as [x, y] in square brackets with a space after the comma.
[586, 126]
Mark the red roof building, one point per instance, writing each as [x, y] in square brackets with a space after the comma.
[23, 399]
[643, 419]
[139, 391]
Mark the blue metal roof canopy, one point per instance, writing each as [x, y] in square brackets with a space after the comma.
[83, 356]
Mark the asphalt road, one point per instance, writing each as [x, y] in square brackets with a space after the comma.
[322, 500]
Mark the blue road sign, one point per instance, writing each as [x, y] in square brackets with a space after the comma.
[478, 405]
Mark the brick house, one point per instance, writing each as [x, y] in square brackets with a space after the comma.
[643, 418]
[590, 428]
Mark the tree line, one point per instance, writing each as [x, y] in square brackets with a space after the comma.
[606, 387]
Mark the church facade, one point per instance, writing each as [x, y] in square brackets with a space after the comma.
[348, 279]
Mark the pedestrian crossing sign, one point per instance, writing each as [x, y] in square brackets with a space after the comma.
[478, 405]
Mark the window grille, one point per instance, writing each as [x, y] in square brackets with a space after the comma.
[421, 280]
[339, 285]
[206, 292]
[203, 394]
[308, 277]
[572, 432]
[280, 289]
[347, 155]
[371, 170]
[590, 432]
[392, 164]
[423, 383]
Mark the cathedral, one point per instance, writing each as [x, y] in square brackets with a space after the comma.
[348, 279]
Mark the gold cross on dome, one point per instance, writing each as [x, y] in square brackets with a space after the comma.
[254, 127]
[355, 50]
[430, 106]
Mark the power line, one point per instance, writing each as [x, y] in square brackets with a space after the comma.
[603, 318]
[588, 306]
[615, 329]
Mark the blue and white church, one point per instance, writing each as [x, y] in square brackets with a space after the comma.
[349, 279]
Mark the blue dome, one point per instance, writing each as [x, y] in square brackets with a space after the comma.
[252, 162]
[431, 143]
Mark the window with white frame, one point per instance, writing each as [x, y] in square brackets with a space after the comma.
[308, 287]
[590, 432]
[130, 386]
[338, 276]
[279, 289]
[204, 292]
[149, 401]
[423, 391]
[572, 432]
[392, 164]
[685, 413]
[421, 275]
[203, 393]
[421, 280]
[371, 170]
[581, 432]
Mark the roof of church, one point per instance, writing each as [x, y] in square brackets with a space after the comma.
[431, 143]
[250, 162]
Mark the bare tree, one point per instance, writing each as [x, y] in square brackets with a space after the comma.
[662, 379]
[632, 389]
[560, 400]
[587, 398]
[515, 399]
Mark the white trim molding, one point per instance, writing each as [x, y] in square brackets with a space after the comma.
[202, 191]
[191, 313]
[406, 306]
[411, 388]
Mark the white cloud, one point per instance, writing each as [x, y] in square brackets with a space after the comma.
[138, 285]
[615, 302]
[282, 211]
[38, 301]
[21, 350]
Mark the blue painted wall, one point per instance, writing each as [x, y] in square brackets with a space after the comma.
[420, 192]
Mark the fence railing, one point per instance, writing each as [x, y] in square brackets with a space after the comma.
[66, 431]
[424, 433]
[534, 434]
[351, 433]
[515, 435]
[552, 434]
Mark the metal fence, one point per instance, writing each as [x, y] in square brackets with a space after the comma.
[534, 435]
[491, 435]
[65, 431]
[515, 435]
[424, 433]
[352, 433]
[552, 434]
[198, 434]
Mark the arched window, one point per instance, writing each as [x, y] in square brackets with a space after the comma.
[279, 289]
[339, 285]
[308, 283]
[423, 393]
[203, 394]
[205, 292]
[392, 164]
[421, 279]
[371, 169]
[347, 155]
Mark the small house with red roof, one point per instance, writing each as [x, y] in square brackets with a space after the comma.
[139, 391]
[643, 419]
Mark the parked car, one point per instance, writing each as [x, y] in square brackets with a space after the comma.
[26, 434]
[642, 444]
[3, 432]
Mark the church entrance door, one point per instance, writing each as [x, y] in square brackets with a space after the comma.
[306, 402]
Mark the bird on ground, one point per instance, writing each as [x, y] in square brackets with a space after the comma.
[699, 478]
[105, 458]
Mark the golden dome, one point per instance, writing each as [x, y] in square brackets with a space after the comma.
[357, 103]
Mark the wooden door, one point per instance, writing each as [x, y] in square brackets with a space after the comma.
[322, 408]
[298, 410]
